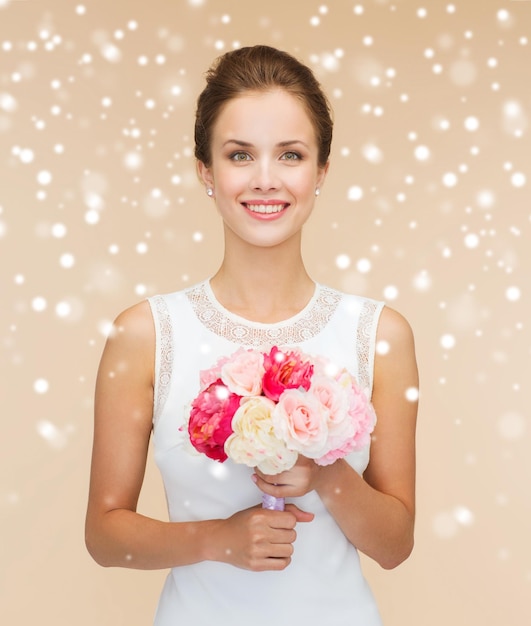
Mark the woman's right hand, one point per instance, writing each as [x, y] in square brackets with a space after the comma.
[257, 539]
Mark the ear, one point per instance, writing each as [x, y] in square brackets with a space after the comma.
[321, 174]
[205, 174]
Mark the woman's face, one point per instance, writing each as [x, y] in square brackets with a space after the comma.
[264, 169]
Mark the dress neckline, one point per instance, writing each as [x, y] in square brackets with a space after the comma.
[246, 321]
[296, 329]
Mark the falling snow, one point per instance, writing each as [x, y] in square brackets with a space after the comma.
[426, 207]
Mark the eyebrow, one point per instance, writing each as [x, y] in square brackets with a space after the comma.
[282, 144]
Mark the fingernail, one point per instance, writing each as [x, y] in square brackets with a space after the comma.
[254, 478]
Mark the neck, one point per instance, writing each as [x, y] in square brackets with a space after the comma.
[263, 284]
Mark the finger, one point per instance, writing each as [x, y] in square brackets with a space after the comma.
[272, 489]
[300, 515]
[275, 564]
[274, 481]
[277, 556]
[284, 537]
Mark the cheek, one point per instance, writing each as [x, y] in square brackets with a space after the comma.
[230, 180]
[304, 181]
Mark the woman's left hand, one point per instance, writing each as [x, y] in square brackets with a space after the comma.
[298, 481]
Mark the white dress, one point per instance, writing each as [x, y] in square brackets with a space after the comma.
[324, 583]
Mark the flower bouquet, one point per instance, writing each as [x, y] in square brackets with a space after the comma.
[264, 409]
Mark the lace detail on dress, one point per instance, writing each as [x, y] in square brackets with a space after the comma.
[165, 355]
[363, 343]
[302, 327]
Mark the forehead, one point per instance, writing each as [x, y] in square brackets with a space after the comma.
[275, 114]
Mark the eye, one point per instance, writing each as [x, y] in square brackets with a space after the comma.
[291, 156]
[240, 156]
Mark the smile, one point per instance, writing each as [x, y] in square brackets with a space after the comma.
[265, 208]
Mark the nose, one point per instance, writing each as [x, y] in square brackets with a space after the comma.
[265, 177]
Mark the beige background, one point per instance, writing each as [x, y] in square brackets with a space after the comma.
[99, 207]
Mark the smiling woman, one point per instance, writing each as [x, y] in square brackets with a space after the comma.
[263, 132]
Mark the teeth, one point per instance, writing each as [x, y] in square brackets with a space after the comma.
[265, 208]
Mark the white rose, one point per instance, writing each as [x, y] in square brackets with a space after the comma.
[253, 441]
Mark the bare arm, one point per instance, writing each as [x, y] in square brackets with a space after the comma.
[116, 535]
[376, 513]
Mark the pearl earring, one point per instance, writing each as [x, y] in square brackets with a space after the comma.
[317, 191]
[210, 192]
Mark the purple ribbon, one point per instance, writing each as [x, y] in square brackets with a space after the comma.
[272, 503]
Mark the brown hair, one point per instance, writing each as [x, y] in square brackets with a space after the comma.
[260, 68]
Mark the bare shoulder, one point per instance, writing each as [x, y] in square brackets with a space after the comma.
[135, 322]
[130, 346]
[395, 360]
[133, 329]
[394, 327]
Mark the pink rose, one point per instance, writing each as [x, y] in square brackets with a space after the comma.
[353, 433]
[337, 453]
[285, 370]
[210, 420]
[340, 427]
[243, 372]
[324, 367]
[211, 375]
[362, 415]
[331, 395]
[301, 421]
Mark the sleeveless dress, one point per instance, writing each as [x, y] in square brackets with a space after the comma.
[323, 583]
